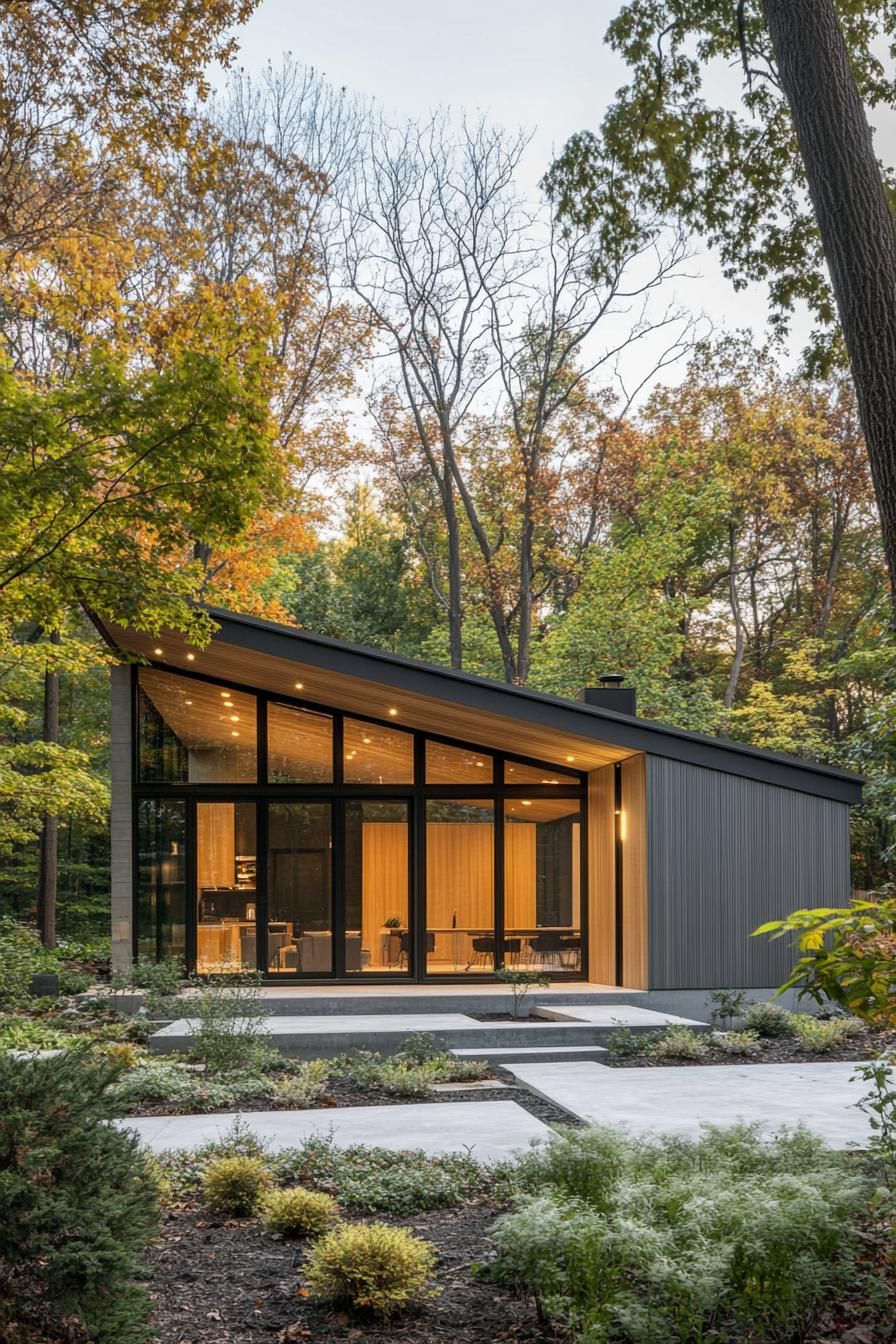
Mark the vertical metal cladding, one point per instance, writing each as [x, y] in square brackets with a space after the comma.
[725, 855]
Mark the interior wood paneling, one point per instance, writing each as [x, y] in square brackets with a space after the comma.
[601, 878]
[634, 873]
[228, 663]
[384, 851]
[519, 876]
[215, 845]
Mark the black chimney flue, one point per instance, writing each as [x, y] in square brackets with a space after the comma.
[610, 694]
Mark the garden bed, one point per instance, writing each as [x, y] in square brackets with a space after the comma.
[226, 1281]
[781, 1050]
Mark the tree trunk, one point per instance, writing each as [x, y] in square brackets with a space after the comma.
[857, 229]
[48, 864]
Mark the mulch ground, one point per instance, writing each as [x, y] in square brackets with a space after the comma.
[226, 1281]
[341, 1092]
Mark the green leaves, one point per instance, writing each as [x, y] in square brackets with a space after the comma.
[848, 956]
[702, 135]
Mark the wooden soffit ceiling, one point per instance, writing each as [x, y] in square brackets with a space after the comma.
[372, 694]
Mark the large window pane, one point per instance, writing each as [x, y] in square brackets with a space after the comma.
[194, 732]
[161, 893]
[460, 886]
[377, 852]
[457, 765]
[376, 755]
[300, 888]
[300, 746]
[226, 902]
[515, 772]
[542, 884]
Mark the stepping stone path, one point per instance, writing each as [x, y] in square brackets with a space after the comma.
[681, 1100]
[491, 1131]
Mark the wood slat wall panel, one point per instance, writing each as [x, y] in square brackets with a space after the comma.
[727, 854]
[601, 878]
[634, 875]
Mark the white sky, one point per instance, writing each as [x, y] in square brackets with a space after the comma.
[524, 62]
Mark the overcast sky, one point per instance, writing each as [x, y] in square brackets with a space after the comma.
[524, 62]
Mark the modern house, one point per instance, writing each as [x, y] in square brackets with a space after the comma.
[324, 812]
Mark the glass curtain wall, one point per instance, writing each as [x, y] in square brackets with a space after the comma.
[542, 884]
[340, 866]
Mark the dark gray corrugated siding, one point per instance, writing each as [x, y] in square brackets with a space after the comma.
[725, 854]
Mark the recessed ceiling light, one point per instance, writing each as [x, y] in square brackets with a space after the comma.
[225, 695]
[526, 803]
[570, 758]
[234, 718]
[392, 712]
[365, 739]
[191, 657]
[234, 733]
[228, 704]
[188, 702]
[480, 765]
[157, 652]
[300, 685]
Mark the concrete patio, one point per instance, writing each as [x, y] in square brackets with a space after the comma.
[680, 1100]
[491, 1131]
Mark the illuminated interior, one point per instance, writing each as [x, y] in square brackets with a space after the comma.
[317, 843]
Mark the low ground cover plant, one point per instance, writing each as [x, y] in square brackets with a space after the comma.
[743, 1044]
[304, 1085]
[724, 1237]
[235, 1184]
[372, 1268]
[79, 1201]
[769, 1020]
[362, 1179]
[678, 1043]
[818, 1035]
[184, 1089]
[411, 1072]
[627, 1044]
[299, 1212]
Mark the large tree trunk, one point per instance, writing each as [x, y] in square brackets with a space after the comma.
[857, 229]
[48, 864]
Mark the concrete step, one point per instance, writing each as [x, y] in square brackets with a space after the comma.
[532, 1054]
[426, 999]
[605, 1018]
[327, 1036]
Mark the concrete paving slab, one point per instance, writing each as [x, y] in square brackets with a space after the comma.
[491, 1130]
[523, 1054]
[615, 1015]
[681, 1100]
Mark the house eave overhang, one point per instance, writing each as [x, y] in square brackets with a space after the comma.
[489, 703]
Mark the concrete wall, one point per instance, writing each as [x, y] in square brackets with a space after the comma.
[121, 836]
[725, 854]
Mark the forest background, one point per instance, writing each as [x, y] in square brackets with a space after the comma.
[272, 349]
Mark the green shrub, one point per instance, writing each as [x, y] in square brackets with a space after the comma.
[304, 1085]
[400, 1079]
[727, 1004]
[627, 1044]
[21, 955]
[520, 982]
[231, 1026]
[299, 1212]
[723, 1237]
[372, 1267]
[818, 1036]
[769, 1020]
[235, 1184]
[421, 1046]
[78, 1197]
[678, 1043]
[166, 977]
[743, 1043]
